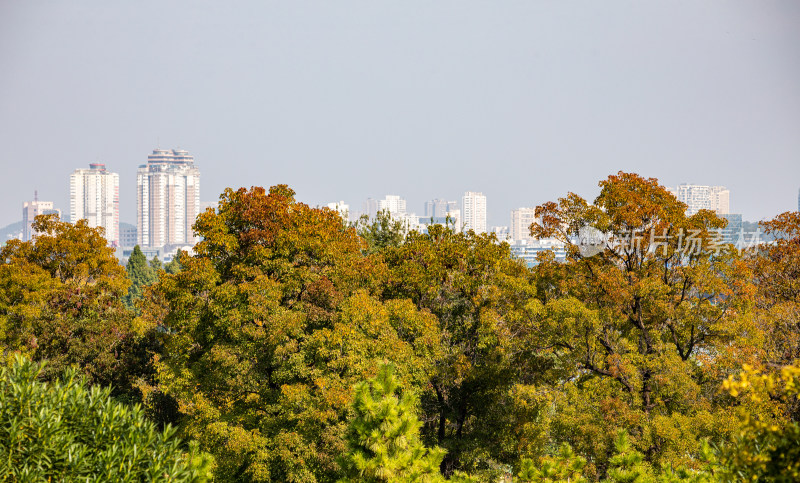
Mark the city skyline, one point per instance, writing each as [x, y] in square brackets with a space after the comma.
[719, 194]
[499, 220]
[715, 198]
[523, 101]
[168, 188]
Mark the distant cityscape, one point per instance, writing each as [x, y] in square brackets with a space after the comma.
[168, 202]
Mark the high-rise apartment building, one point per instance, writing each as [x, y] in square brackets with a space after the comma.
[720, 199]
[127, 235]
[701, 197]
[94, 196]
[439, 208]
[441, 212]
[696, 197]
[454, 216]
[370, 208]
[473, 208]
[396, 206]
[393, 204]
[521, 220]
[32, 209]
[168, 199]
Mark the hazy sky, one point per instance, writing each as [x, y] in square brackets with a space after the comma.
[523, 100]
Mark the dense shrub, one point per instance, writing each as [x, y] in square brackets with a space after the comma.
[65, 431]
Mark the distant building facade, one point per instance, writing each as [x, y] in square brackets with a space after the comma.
[369, 208]
[733, 230]
[342, 207]
[454, 216]
[94, 196]
[393, 204]
[521, 220]
[473, 209]
[703, 197]
[439, 208]
[529, 251]
[168, 199]
[720, 199]
[501, 232]
[127, 235]
[32, 209]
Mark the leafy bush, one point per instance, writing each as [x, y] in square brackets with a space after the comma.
[65, 431]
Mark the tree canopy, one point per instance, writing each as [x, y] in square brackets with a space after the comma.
[61, 300]
[646, 326]
[294, 347]
[141, 274]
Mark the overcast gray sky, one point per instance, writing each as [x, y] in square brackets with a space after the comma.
[523, 100]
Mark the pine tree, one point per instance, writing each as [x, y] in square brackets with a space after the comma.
[156, 264]
[564, 467]
[383, 437]
[627, 465]
[141, 274]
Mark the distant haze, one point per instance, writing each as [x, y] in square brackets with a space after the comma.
[522, 100]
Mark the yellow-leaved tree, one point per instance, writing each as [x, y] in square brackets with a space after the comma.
[645, 317]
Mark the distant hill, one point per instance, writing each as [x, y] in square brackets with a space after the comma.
[13, 230]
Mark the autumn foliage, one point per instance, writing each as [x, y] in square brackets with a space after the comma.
[621, 363]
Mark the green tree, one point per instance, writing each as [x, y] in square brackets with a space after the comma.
[476, 404]
[60, 300]
[156, 264]
[776, 267]
[644, 326]
[174, 266]
[382, 232]
[627, 465]
[64, 431]
[383, 436]
[141, 275]
[267, 328]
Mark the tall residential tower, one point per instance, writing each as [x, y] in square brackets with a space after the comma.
[94, 196]
[439, 208]
[473, 208]
[701, 197]
[394, 204]
[32, 209]
[521, 220]
[168, 199]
